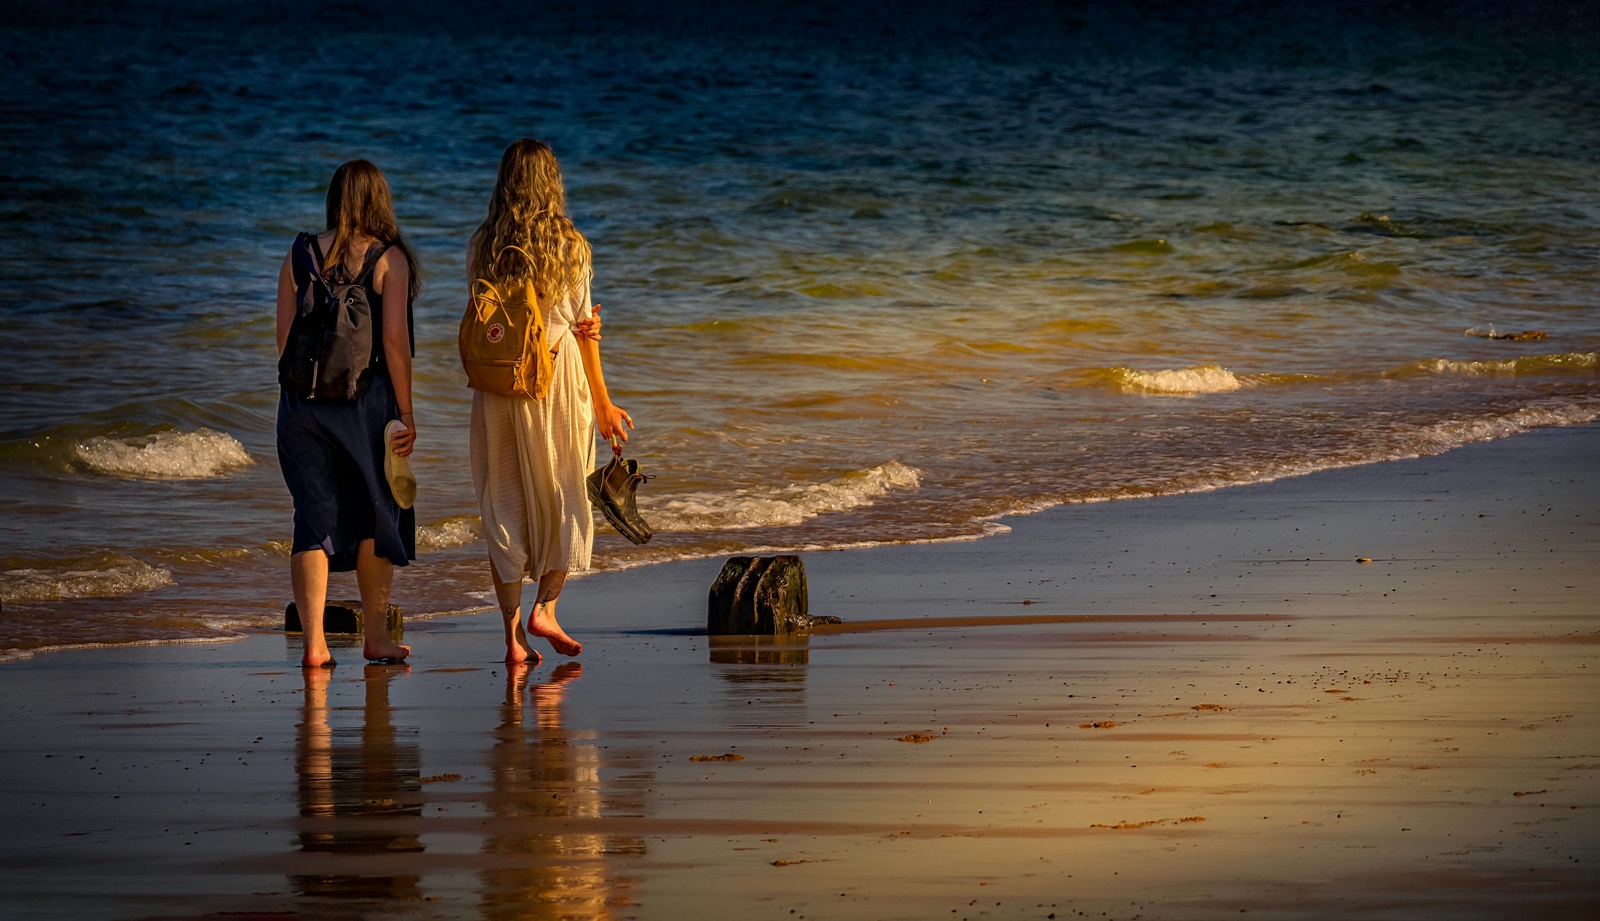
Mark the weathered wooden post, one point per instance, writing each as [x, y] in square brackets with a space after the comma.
[342, 617]
[760, 595]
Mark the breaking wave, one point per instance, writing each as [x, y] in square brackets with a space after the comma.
[788, 505]
[1217, 379]
[198, 455]
[1559, 363]
[97, 577]
[1178, 382]
[455, 531]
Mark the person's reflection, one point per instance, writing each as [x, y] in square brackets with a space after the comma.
[360, 791]
[541, 769]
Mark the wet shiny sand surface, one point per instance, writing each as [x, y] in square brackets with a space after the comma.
[1305, 736]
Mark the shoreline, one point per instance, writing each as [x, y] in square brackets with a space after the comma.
[991, 526]
[1209, 707]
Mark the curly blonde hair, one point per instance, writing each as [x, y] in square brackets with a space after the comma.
[528, 235]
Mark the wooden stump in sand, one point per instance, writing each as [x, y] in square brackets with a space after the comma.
[760, 595]
[342, 617]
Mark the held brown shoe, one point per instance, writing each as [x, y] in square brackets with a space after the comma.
[612, 489]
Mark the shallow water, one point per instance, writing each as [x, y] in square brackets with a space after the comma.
[854, 293]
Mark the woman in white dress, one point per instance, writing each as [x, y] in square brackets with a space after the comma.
[530, 457]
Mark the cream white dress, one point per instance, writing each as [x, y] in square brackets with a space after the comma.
[529, 460]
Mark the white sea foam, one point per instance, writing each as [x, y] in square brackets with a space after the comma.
[1178, 382]
[1420, 442]
[456, 612]
[17, 655]
[1564, 362]
[198, 455]
[455, 531]
[1446, 435]
[787, 505]
[1466, 368]
[98, 578]
[986, 527]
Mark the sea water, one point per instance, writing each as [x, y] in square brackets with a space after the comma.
[859, 285]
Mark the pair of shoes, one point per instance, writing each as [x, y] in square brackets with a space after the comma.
[611, 489]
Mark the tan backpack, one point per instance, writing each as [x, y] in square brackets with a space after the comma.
[502, 340]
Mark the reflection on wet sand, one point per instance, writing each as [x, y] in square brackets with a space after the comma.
[762, 650]
[360, 791]
[541, 769]
[765, 670]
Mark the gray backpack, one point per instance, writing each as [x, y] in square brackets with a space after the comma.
[330, 353]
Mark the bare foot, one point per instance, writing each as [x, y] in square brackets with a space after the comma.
[385, 649]
[518, 652]
[543, 623]
[317, 658]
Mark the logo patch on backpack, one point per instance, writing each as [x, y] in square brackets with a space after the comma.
[496, 333]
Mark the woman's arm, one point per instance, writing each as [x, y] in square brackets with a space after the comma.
[608, 417]
[286, 301]
[393, 281]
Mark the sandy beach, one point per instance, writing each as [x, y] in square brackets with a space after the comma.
[1197, 706]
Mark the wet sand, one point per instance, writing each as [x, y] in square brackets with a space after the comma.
[1206, 709]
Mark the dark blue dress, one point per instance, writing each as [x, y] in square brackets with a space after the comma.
[332, 453]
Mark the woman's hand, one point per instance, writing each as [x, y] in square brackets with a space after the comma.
[609, 419]
[590, 327]
[404, 442]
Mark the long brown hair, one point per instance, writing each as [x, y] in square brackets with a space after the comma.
[359, 204]
[528, 210]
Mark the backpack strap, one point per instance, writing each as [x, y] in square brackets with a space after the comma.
[315, 259]
[370, 260]
[300, 259]
[508, 248]
[487, 301]
[305, 262]
[314, 255]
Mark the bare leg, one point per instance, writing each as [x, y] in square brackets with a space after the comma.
[375, 576]
[509, 594]
[543, 620]
[308, 572]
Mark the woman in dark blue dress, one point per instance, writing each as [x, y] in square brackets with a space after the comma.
[332, 451]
